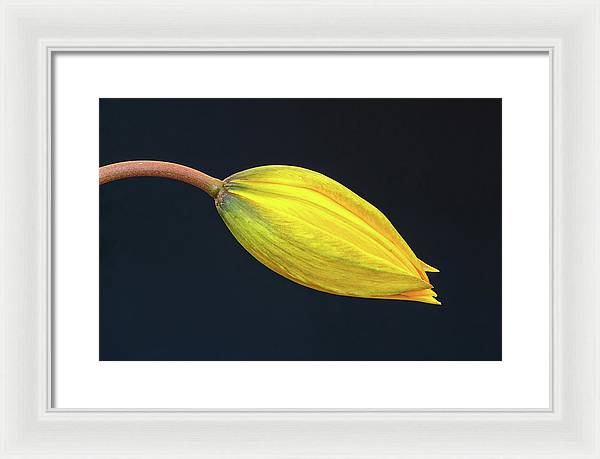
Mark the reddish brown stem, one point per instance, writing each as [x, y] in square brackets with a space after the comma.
[126, 169]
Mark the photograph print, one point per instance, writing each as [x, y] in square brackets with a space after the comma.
[300, 229]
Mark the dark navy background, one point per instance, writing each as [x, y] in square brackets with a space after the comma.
[176, 285]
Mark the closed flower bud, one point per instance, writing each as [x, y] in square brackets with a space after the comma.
[316, 232]
[306, 227]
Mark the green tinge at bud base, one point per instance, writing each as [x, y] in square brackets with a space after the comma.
[316, 232]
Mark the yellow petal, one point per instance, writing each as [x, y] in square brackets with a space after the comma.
[316, 232]
[424, 296]
[428, 268]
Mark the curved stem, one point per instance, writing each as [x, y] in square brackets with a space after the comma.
[126, 169]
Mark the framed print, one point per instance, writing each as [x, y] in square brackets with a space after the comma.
[254, 230]
[273, 333]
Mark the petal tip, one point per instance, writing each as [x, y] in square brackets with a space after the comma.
[428, 268]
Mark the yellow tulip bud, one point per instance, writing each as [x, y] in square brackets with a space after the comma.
[306, 227]
[316, 232]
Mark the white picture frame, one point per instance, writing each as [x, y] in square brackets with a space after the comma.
[32, 31]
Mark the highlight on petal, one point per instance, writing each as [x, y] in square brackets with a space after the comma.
[316, 232]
